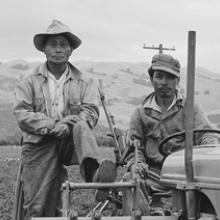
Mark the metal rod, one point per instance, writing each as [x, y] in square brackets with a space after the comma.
[74, 186]
[189, 106]
[104, 205]
[65, 199]
[111, 124]
[173, 183]
[197, 179]
[137, 188]
[136, 213]
[189, 112]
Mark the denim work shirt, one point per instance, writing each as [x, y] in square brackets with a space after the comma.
[151, 126]
[33, 102]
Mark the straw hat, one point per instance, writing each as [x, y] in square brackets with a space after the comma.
[55, 28]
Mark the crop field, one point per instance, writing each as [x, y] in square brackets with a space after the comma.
[82, 200]
[9, 163]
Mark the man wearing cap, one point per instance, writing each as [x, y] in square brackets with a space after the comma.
[160, 115]
[56, 108]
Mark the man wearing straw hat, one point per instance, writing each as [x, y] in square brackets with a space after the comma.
[161, 114]
[56, 108]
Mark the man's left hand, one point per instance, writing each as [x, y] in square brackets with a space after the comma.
[70, 119]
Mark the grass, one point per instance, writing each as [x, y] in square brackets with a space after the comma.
[8, 174]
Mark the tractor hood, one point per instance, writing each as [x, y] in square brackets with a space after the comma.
[206, 167]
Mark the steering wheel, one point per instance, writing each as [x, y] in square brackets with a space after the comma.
[165, 151]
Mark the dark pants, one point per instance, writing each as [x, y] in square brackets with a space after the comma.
[44, 172]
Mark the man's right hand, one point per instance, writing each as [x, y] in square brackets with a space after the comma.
[60, 130]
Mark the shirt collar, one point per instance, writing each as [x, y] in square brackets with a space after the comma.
[73, 72]
[151, 103]
[64, 75]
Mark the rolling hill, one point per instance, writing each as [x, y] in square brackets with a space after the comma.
[125, 85]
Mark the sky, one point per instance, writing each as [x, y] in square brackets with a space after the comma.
[115, 30]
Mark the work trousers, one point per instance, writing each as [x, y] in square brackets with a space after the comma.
[43, 170]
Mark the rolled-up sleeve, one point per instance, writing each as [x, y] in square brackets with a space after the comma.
[201, 122]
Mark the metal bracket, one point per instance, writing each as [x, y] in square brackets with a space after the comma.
[187, 186]
[65, 198]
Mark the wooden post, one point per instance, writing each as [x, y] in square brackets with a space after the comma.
[160, 48]
[189, 115]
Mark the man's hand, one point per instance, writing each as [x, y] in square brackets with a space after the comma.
[60, 130]
[141, 169]
[70, 119]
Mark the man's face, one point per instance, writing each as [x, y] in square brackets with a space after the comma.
[164, 83]
[57, 49]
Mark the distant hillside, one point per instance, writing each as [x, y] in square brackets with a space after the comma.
[125, 84]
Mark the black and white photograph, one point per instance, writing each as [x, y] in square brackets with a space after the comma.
[110, 110]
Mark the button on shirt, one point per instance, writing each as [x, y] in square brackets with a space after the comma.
[57, 93]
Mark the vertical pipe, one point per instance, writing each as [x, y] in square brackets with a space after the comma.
[189, 112]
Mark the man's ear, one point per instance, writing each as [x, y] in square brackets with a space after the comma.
[71, 51]
[44, 51]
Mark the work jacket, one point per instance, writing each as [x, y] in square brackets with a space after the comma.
[149, 127]
[33, 103]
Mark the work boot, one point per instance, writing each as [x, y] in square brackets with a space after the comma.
[106, 173]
